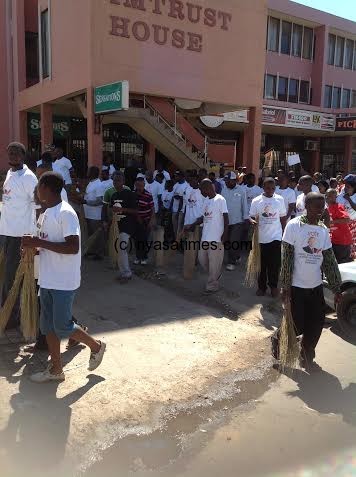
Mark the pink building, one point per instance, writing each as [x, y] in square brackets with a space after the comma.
[201, 83]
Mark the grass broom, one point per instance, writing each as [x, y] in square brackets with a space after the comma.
[90, 242]
[29, 300]
[9, 304]
[254, 260]
[113, 241]
[289, 350]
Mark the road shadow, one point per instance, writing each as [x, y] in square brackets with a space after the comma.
[323, 392]
[337, 330]
[35, 438]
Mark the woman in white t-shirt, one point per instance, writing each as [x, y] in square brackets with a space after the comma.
[347, 198]
[271, 213]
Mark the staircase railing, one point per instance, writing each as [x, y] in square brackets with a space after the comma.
[202, 155]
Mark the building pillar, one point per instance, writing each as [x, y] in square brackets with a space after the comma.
[23, 133]
[150, 157]
[347, 154]
[315, 164]
[94, 133]
[46, 125]
[251, 144]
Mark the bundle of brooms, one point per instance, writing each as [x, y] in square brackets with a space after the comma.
[25, 285]
[254, 260]
[289, 349]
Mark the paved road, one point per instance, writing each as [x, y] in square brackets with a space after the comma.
[297, 425]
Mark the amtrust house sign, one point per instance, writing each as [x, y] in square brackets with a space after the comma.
[184, 12]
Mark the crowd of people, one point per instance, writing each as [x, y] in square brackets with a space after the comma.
[303, 223]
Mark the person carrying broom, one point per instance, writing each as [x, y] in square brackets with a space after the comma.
[306, 253]
[59, 276]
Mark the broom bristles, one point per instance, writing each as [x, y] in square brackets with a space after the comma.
[254, 260]
[288, 343]
[90, 242]
[10, 301]
[29, 299]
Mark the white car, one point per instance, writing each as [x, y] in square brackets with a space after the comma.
[346, 309]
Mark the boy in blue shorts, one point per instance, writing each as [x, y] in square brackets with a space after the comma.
[59, 276]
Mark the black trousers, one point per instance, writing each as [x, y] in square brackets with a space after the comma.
[308, 312]
[141, 241]
[12, 252]
[342, 253]
[270, 265]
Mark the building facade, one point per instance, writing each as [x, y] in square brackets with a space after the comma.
[206, 84]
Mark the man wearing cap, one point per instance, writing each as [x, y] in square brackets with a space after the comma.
[17, 217]
[236, 201]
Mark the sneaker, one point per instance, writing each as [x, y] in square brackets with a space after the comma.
[46, 376]
[96, 358]
[144, 262]
[137, 261]
[230, 267]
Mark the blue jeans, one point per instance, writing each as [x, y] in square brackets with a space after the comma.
[56, 312]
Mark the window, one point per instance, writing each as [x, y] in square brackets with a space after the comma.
[339, 53]
[349, 52]
[336, 97]
[331, 51]
[308, 43]
[293, 91]
[327, 96]
[45, 43]
[345, 100]
[304, 92]
[286, 37]
[282, 88]
[270, 86]
[353, 99]
[273, 34]
[297, 40]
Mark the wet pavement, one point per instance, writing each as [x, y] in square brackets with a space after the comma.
[295, 424]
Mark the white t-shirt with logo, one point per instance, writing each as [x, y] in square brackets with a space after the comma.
[155, 189]
[59, 271]
[288, 195]
[269, 211]
[179, 189]
[194, 206]
[213, 212]
[252, 193]
[167, 199]
[309, 242]
[341, 200]
[18, 205]
[63, 166]
[93, 191]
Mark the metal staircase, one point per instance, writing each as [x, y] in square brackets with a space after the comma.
[167, 138]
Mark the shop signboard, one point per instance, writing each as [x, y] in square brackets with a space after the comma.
[61, 126]
[231, 117]
[111, 97]
[297, 118]
[346, 124]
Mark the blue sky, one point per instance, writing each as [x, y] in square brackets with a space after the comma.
[341, 8]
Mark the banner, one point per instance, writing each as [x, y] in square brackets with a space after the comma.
[297, 118]
[61, 126]
[346, 124]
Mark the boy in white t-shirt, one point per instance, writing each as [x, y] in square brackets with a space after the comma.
[271, 213]
[59, 276]
[215, 220]
[287, 193]
[306, 253]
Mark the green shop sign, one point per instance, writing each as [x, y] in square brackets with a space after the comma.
[61, 126]
[111, 97]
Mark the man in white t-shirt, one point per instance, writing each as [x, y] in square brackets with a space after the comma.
[305, 185]
[215, 220]
[106, 181]
[269, 211]
[306, 254]
[160, 170]
[287, 193]
[177, 210]
[251, 189]
[63, 166]
[17, 218]
[59, 277]
[93, 204]
[155, 188]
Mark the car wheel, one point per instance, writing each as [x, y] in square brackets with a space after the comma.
[346, 312]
